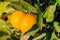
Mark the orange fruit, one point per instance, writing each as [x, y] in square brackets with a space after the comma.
[22, 21]
[27, 22]
[15, 17]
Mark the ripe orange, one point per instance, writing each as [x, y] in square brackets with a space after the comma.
[27, 22]
[22, 21]
[15, 17]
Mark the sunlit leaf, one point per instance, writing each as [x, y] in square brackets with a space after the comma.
[56, 26]
[32, 33]
[3, 5]
[58, 1]
[4, 37]
[4, 27]
[54, 37]
[25, 37]
[28, 34]
[9, 10]
[40, 36]
[49, 14]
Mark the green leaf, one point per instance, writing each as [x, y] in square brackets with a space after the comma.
[3, 5]
[8, 24]
[39, 16]
[28, 7]
[4, 27]
[9, 10]
[28, 34]
[4, 37]
[3, 33]
[48, 34]
[49, 14]
[40, 36]
[56, 26]
[32, 33]
[54, 36]
[13, 0]
[17, 6]
[58, 1]
[40, 20]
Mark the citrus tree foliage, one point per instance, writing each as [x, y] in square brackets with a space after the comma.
[47, 16]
